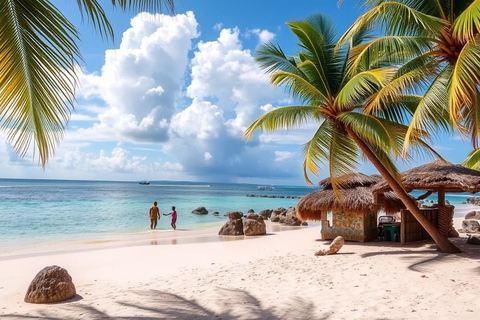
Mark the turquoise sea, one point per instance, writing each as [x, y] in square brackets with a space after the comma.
[43, 212]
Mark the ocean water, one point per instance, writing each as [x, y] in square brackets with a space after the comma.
[42, 212]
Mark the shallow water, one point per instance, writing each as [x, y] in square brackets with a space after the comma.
[42, 212]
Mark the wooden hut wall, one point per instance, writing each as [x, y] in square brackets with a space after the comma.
[353, 227]
[412, 230]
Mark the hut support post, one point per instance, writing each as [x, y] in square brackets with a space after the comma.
[441, 197]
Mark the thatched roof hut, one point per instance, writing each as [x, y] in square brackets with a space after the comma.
[436, 175]
[356, 197]
[352, 180]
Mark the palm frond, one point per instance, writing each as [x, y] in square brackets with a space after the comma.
[316, 150]
[431, 113]
[467, 24]
[283, 118]
[369, 128]
[145, 5]
[397, 18]
[411, 77]
[299, 86]
[271, 58]
[388, 49]
[37, 78]
[464, 79]
[473, 160]
[362, 85]
[343, 154]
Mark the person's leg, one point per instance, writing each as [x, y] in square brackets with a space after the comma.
[155, 224]
[151, 223]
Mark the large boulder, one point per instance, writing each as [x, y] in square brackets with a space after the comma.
[473, 215]
[470, 225]
[291, 217]
[265, 214]
[277, 213]
[253, 225]
[234, 225]
[51, 284]
[200, 210]
[336, 245]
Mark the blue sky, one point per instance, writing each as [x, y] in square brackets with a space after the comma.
[170, 98]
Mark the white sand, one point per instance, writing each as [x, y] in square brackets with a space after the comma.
[275, 276]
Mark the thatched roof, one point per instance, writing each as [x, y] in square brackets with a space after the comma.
[436, 175]
[352, 180]
[357, 199]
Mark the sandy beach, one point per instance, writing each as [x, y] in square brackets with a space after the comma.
[276, 276]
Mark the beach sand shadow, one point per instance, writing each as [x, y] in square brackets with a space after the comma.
[156, 304]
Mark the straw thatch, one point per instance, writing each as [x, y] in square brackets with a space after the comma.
[352, 180]
[355, 200]
[437, 175]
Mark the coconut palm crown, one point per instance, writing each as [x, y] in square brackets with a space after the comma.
[442, 34]
[38, 60]
[336, 99]
[339, 99]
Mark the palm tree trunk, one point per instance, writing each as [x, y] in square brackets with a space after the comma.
[444, 245]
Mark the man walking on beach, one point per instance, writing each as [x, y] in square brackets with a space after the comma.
[154, 215]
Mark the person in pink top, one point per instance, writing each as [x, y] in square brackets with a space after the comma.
[174, 218]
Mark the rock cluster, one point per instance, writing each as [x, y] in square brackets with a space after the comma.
[200, 210]
[237, 225]
[51, 284]
[471, 224]
[253, 225]
[474, 201]
[287, 217]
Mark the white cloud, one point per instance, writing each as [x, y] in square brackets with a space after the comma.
[283, 155]
[218, 26]
[263, 35]
[266, 107]
[207, 156]
[141, 81]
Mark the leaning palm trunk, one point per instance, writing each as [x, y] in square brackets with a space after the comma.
[444, 245]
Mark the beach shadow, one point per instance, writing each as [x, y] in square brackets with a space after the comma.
[157, 304]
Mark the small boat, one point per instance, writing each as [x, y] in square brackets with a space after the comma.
[144, 182]
[267, 188]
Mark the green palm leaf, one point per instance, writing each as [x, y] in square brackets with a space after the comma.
[397, 18]
[473, 160]
[467, 24]
[343, 154]
[283, 118]
[38, 54]
[316, 150]
[465, 78]
[363, 85]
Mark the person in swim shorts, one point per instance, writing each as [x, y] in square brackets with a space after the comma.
[174, 218]
[154, 215]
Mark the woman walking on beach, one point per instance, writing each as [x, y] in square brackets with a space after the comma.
[174, 218]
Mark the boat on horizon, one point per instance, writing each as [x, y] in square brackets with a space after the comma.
[144, 182]
[267, 188]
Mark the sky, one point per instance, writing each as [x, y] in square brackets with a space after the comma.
[171, 96]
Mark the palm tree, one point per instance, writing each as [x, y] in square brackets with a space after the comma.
[338, 98]
[38, 59]
[444, 33]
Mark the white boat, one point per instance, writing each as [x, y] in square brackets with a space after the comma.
[267, 188]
